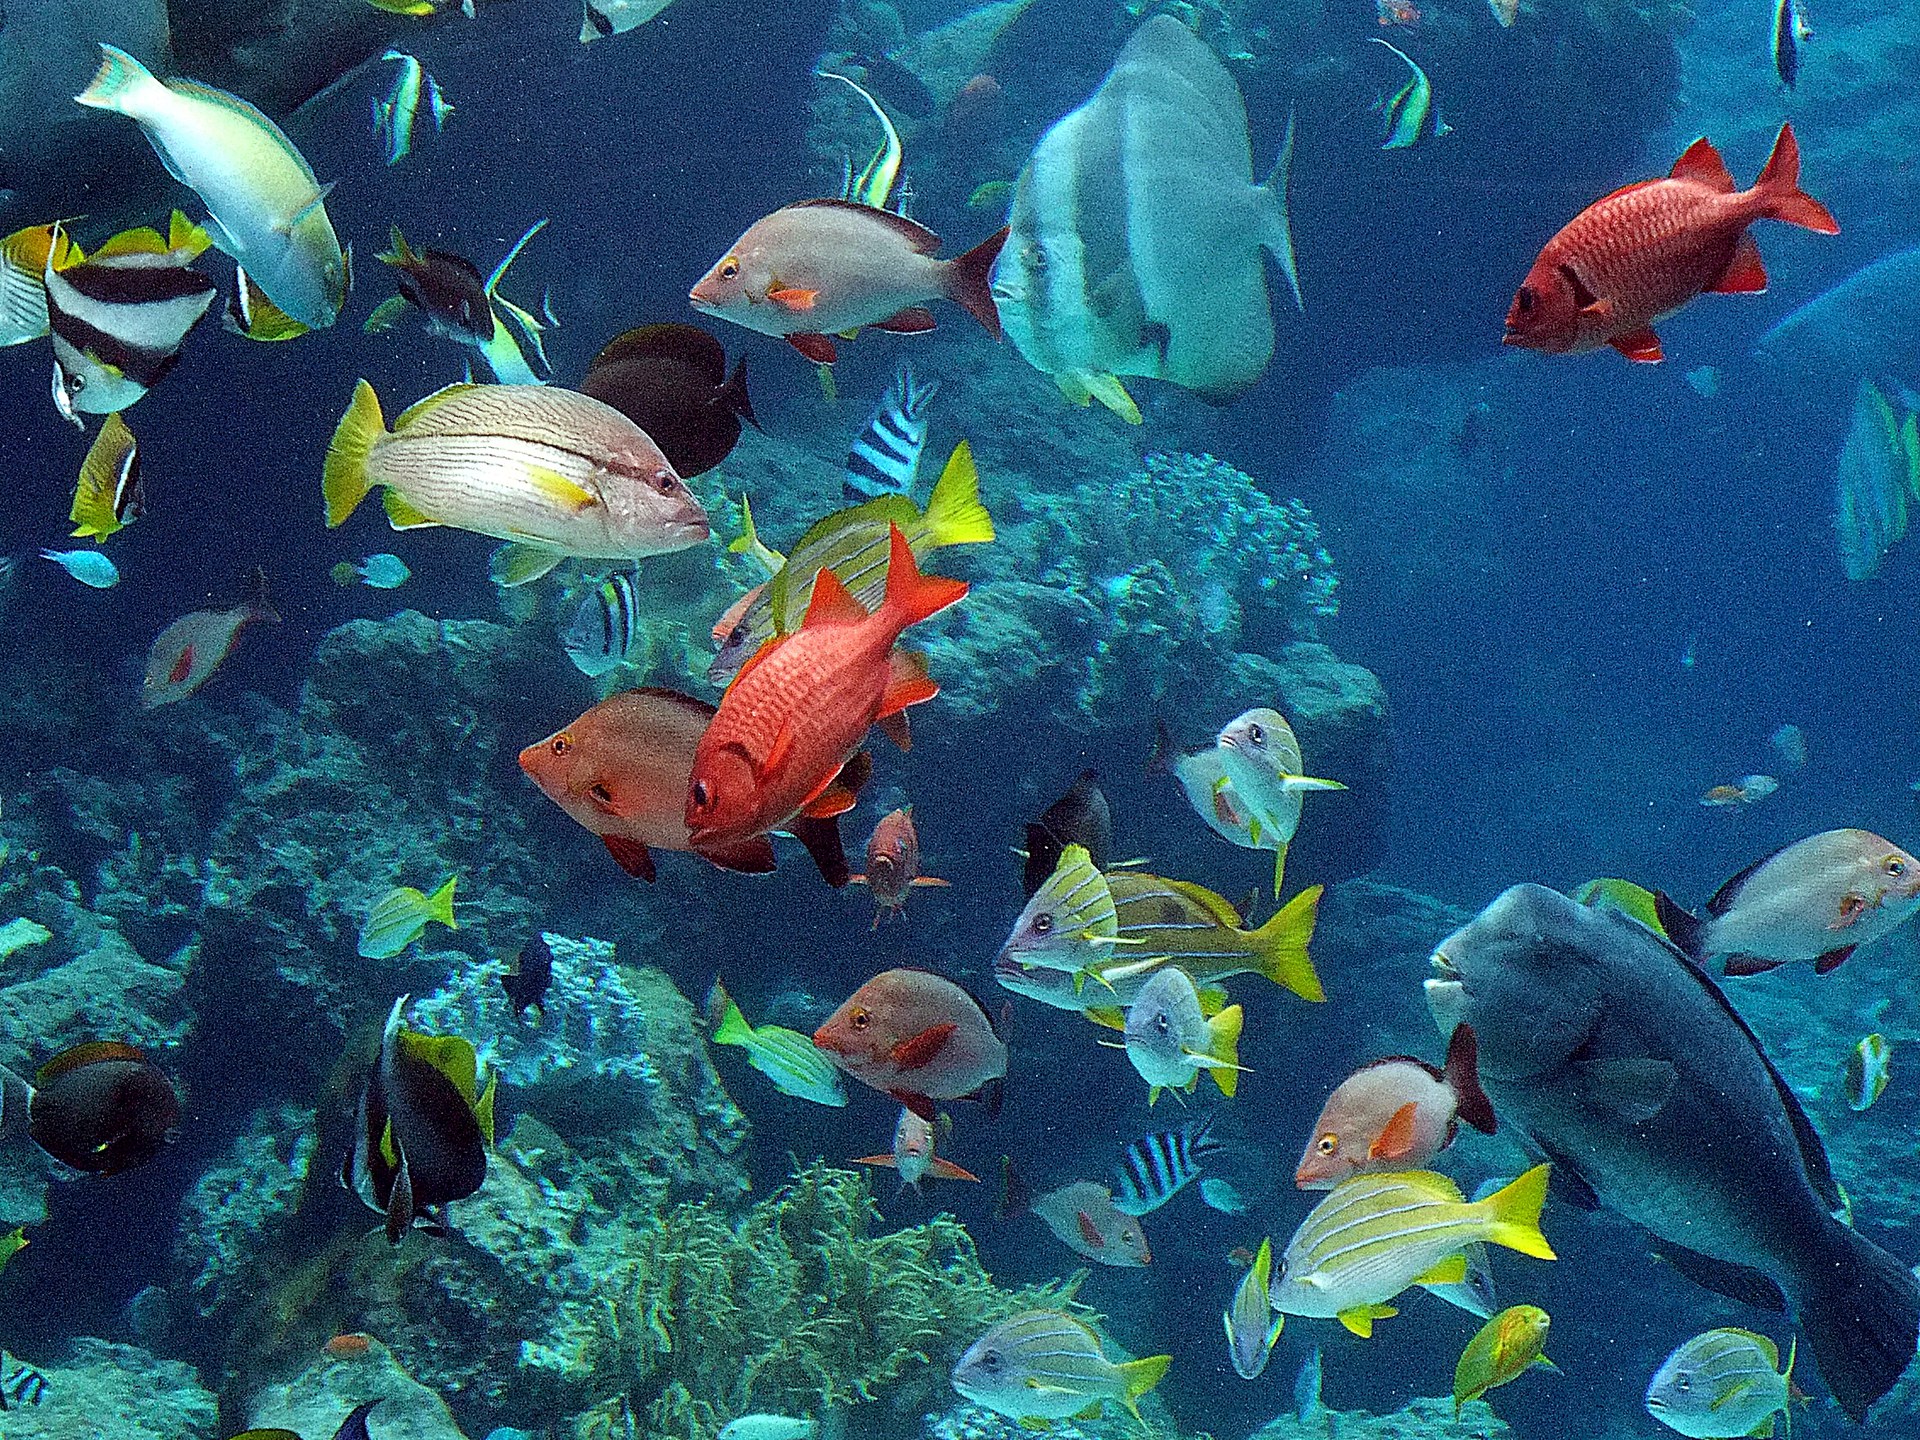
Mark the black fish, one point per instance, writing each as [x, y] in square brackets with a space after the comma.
[526, 984]
[354, 1427]
[895, 82]
[421, 1138]
[1079, 817]
[25, 1386]
[671, 380]
[101, 1107]
[447, 289]
[1623, 1064]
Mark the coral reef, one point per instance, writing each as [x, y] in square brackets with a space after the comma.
[317, 1400]
[96, 1388]
[1422, 1419]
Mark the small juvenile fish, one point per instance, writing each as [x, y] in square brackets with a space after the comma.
[885, 459]
[1171, 1040]
[349, 1346]
[1504, 1349]
[1723, 1384]
[184, 656]
[400, 917]
[1155, 1168]
[1252, 1326]
[604, 628]
[527, 982]
[378, 572]
[1045, 1365]
[108, 496]
[85, 565]
[913, 1155]
[1082, 1216]
[1790, 744]
[1223, 1195]
[1396, 1114]
[893, 865]
[1405, 114]
[1790, 32]
[1868, 1069]
[786, 1057]
[456, 303]
[1747, 790]
[25, 1386]
[394, 119]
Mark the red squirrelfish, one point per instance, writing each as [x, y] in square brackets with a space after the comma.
[1395, 1114]
[185, 654]
[800, 707]
[893, 864]
[917, 1037]
[1645, 250]
[913, 1154]
[827, 267]
[1082, 1217]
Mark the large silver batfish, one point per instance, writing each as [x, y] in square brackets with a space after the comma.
[1622, 1061]
[1137, 232]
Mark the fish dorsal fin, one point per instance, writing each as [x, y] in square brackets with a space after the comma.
[91, 1053]
[831, 604]
[142, 240]
[1724, 897]
[499, 270]
[1217, 906]
[1701, 163]
[923, 240]
[427, 403]
[692, 706]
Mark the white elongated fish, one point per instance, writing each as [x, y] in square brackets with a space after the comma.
[265, 208]
[1252, 1327]
[551, 470]
[1138, 232]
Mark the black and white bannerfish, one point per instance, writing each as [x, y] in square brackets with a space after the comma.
[120, 316]
[1790, 32]
[395, 117]
[1138, 233]
[603, 628]
[25, 1386]
[885, 460]
[1155, 1168]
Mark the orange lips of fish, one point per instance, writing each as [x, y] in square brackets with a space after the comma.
[798, 710]
[917, 1037]
[893, 864]
[1644, 251]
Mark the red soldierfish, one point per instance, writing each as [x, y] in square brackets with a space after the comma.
[800, 707]
[1395, 1114]
[893, 864]
[1082, 1216]
[917, 1037]
[185, 654]
[1644, 251]
[827, 267]
[913, 1154]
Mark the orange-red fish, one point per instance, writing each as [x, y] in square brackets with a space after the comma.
[893, 864]
[917, 1037]
[1395, 1114]
[185, 654]
[1644, 251]
[828, 267]
[913, 1155]
[352, 1346]
[800, 707]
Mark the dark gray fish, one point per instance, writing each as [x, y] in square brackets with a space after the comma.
[1079, 817]
[447, 289]
[526, 984]
[102, 1107]
[1621, 1061]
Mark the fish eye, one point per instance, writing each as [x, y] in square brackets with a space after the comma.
[1162, 1023]
[1327, 1143]
[860, 1019]
[1684, 1385]
[1524, 299]
[665, 482]
[1043, 923]
[1895, 866]
[990, 1359]
[76, 383]
[1257, 734]
[561, 744]
[1036, 255]
[702, 794]
[729, 268]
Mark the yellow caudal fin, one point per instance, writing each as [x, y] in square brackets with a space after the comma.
[1281, 944]
[1223, 1049]
[955, 515]
[440, 904]
[345, 481]
[1513, 1214]
[1140, 1376]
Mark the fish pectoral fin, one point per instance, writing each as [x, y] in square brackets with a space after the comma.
[1723, 1277]
[1395, 1140]
[559, 489]
[1451, 1271]
[285, 227]
[1361, 1317]
[1634, 1090]
[794, 298]
[1111, 1016]
[1641, 346]
[515, 563]
[920, 1050]
[402, 515]
[630, 855]
[1745, 274]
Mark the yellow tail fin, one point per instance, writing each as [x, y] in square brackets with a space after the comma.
[955, 515]
[1223, 1045]
[345, 481]
[1140, 1376]
[1281, 945]
[1513, 1214]
[440, 904]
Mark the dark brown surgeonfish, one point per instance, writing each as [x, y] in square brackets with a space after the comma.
[102, 1107]
[671, 380]
[423, 1130]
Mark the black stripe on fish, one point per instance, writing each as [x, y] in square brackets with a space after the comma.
[121, 334]
[134, 280]
[79, 347]
[26, 1386]
[1155, 1168]
[886, 457]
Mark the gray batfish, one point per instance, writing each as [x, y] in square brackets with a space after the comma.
[1621, 1060]
[1137, 232]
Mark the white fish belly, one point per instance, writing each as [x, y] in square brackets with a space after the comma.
[485, 484]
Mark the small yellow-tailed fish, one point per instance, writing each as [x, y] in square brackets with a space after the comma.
[265, 208]
[1045, 1365]
[1171, 1040]
[107, 497]
[399, 917]
[786, 1057]
[1869, 1066]
[1375, 1235]
[853, 543]
[1252, 1327]
[1634, 901]
[1723, 1384]
[1505, 1348]
[12, 1244]
[24, 256]
[551, 471]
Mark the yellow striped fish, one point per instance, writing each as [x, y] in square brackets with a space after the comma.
[554, 471]
[1043, 1365]
[24, 256]
[1376, 1235]
[1201, 931]
[1069, 925]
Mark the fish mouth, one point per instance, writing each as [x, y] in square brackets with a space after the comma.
[822, 1041]
[1442, 967]
[703, 303]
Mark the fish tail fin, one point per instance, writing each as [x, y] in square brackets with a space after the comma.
[1277, 232]
[1513, 1215]
[955, 515]
[1014, 1197]
[119, 83]
[1462, 1075]
[1140, 1376]
[968, 281]
[440, 904]
[729, 1025]
[911, 596]
[1685, 929]
[733, 394]
[1859, 1308]
[1164, 752]
[1280, 945]
[1223, 1048]
[1778, 189]
[345, 481]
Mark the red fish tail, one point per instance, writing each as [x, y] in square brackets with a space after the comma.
[969, 281]
[911, 596]
[1779, 193]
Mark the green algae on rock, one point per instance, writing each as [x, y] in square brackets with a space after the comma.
[96, 1388]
